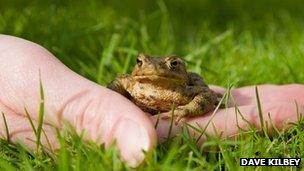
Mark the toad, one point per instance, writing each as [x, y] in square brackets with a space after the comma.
[162, 84]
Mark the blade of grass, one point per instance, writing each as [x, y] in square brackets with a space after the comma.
[130, 52]
[290, 68]
[26, 160]
[48, 141]
[189, 160]
[40, 114]
[5, 165]
[299, 115]
[31, 121]
[157, 121]
[6, 128]
[260, 111]
[171, 122]
[214, 112]
[106, 57]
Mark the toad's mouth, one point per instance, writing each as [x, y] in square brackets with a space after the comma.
[159, 77]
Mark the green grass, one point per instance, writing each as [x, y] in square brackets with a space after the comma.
[228, 42]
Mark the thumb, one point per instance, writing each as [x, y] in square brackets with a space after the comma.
[103, 115]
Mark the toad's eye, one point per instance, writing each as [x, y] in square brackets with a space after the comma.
[174, 63]
[139, 62]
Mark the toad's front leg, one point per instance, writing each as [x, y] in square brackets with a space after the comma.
[120, 85]
[201, 104]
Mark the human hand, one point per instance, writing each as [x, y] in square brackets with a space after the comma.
[87, 106]
[280, 105]
[103, 114]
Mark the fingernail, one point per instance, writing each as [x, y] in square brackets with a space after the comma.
[132, 138]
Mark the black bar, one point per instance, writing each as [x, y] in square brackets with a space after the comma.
[270, 161]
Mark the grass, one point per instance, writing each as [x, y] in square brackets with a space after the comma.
[228, 42]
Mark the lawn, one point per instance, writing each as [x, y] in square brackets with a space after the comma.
[234, 42]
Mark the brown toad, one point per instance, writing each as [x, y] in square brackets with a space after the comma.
[159, 83]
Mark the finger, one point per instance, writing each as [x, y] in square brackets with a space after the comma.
[103, 115]
[217, 89]
[227, 122]
[269, 93]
